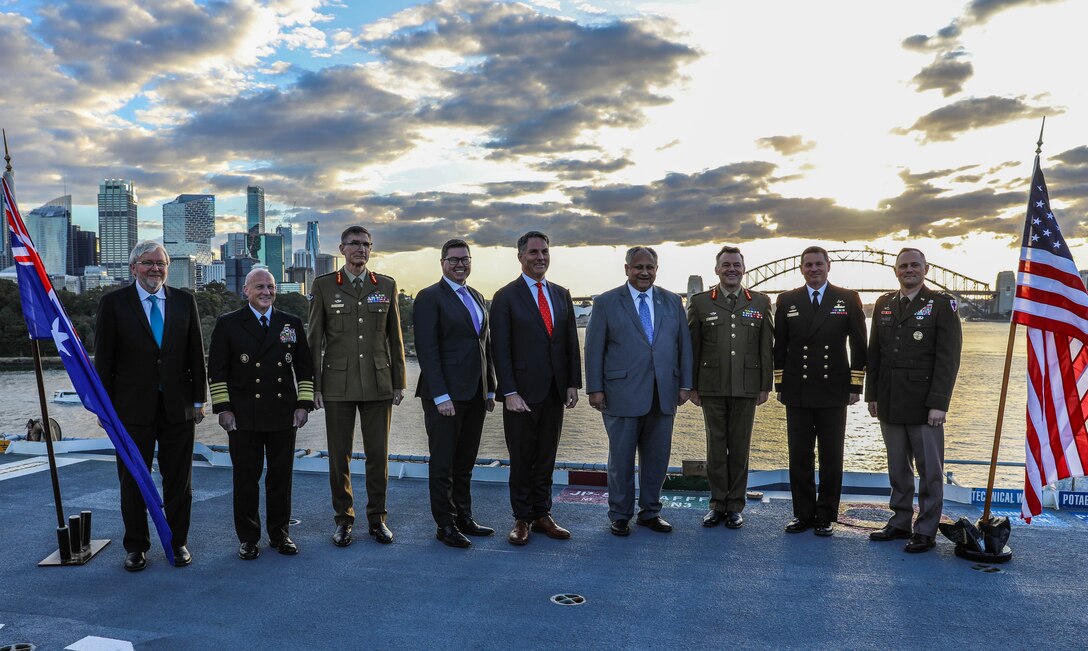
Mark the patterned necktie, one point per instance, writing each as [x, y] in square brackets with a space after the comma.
[644, 316]
[471, 306]
[816, 300]
[545, 311]
[156, 319]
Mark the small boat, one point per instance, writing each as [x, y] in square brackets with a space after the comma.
[66, 397]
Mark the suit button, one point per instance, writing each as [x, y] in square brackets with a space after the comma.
[804, 366]
[732, 352]
[733, 316]
[279, 363]
[279, 395]
[804, 377]
[279, 379]
[258, 380]
[360, 336]
[732, 325]
[734, 335]
[360, 356]
[258, 365]
[360, 320]
[825, 356]
[258, 396]
[804, 356]
[804, 347]
[825, 377]
[827, 347]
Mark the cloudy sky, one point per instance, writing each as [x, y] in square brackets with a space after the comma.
[683, 124]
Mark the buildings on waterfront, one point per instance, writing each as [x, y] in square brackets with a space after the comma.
[52, 222]
[313, 246]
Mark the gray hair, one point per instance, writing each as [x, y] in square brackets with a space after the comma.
[144, 247]
[635, 250]
[257, 270]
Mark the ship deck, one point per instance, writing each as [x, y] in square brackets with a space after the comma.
[752, 588]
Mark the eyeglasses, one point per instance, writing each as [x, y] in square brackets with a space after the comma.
[153, 264]
[357, 244]
[467, 260]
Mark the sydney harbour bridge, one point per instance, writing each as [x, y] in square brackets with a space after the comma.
[975, 295]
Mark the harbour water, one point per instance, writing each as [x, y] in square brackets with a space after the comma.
[968, 435]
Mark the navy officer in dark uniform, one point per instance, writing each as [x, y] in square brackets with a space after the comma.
[816, 381]
[914, 356]
[262, 386]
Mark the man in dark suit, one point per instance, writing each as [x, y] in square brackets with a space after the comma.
[534, 340]
[258, 356]
[358, 360]
[914, 356]
[638, 371]
[456, 387]
[150, 356]
[731, 345]
[816, 381]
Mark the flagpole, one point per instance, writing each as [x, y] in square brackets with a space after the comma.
[1008, 365]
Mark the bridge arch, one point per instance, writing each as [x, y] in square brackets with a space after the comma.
[965, 288]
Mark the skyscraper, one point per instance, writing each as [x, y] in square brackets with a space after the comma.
[116, 225]
[84, 247]
[236, 245]
[48, 226]
[188, 224]
[284, 231]
[312, 243]
[272, 255]
[254, 209]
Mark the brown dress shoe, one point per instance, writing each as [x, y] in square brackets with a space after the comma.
[549, 528]
[519, 535]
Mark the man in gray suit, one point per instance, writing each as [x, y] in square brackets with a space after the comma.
[638, 371]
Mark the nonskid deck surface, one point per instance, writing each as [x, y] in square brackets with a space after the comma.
[716, 588]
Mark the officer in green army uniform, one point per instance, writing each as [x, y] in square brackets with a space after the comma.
[731, 337]
[355, 339]
[914, 356]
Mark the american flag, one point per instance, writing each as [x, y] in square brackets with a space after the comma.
[1052, 302]
[46, 319]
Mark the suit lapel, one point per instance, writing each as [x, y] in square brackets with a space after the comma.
[826, 301]
[459, 305]
[629, 307]
[173, 314]
[661, 315]
[275, 325]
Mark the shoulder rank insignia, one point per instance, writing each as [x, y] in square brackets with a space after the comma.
[373, 278]
[747, 294]
[714, 293]
[339, 277]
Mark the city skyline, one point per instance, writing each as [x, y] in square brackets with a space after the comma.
[683, 125]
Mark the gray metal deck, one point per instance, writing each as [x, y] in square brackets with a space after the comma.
[708, 588]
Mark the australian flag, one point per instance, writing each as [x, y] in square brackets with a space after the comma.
[46, 319]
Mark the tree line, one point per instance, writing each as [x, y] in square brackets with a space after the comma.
[212, 301]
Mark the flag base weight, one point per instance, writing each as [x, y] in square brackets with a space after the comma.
[75, 559]
[992, 558]
[74, 544]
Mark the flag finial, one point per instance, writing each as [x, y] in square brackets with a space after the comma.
[7, 156]
[1038, 145]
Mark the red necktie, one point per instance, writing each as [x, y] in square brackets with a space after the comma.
[545, 311]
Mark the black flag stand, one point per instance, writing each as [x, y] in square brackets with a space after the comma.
[74, 544]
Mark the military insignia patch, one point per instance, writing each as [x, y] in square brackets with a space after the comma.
[792, 311]
[309, 297]
[749, 313]
[377, 297]
[288, 336]
[839, 308]
[926, 310]
[244, 358]
[953, 303]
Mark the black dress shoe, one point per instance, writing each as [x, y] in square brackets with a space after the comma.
[452, 536]
[822, 528]
[248, 551]
[713, 518]
[656, 523]
[920, 543]
[734, 520]
[620, 528]
[135, 561]
[889, 533]
[472, 528]
[182, 557]
[342, 537]
[381, 533]
[287, 547]
[797, 525]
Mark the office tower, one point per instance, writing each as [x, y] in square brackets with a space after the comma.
[48, 226]
[188, 224]
[116, 226]
[1006, 292]
[236, 271]
[216, 272]
[271, 255]
[183, 272]
[288, 240]
[695, 285]
[302, 258]
[236, 245]
[84, 248]
[254, 209]
[312, 244]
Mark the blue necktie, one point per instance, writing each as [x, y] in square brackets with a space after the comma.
[471, 305]
[644, 316]
[156, 319]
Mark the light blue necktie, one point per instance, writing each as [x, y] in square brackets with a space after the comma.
[156, 319]
[471, 305]
[644, 316]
